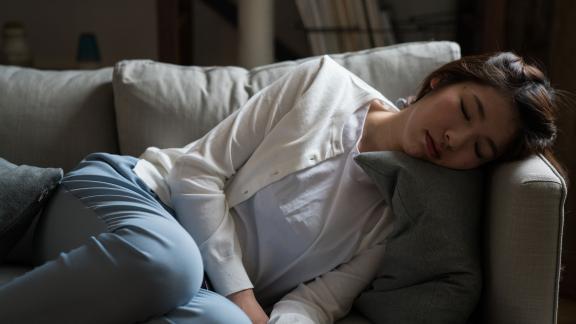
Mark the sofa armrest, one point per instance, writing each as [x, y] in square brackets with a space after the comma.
[523, 243]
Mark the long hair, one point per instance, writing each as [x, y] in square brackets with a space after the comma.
[532, 95]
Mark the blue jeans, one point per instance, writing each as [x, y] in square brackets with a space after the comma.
[132, 261]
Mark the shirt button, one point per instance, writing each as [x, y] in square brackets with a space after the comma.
[275, 173]
[245, 192]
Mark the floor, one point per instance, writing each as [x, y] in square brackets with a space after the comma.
[567, 311]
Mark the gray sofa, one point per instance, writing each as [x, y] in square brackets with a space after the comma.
[55, 118]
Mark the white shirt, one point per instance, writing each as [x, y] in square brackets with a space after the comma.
[294, 123]
[311, 221]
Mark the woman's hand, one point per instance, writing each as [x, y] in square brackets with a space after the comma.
[246, 300]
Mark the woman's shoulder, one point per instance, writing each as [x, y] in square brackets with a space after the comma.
[382, 105]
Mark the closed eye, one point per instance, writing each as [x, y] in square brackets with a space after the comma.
[477, 151]
[463, 109]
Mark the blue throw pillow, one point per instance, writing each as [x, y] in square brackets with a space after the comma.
[24, 190]
[431, 270]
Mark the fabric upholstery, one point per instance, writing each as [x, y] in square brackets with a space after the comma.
[384, 68]
[24, 190]
[55, 118]
[431, 270]
[165, 105]
[523, 243]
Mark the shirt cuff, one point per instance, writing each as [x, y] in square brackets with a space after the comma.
[228, 276]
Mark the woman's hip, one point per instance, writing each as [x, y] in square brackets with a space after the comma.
[102, 194]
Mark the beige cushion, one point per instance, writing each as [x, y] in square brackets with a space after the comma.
[396, 71]
[166, 105]
[55, 118]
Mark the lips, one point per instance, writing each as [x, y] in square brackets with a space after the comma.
[431, 147]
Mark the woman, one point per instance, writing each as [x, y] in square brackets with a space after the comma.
[269, 204]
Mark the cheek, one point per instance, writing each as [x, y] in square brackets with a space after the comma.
[412, 143]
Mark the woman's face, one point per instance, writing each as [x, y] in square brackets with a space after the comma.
[460, 126]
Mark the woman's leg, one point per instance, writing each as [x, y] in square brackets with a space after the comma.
[143, 265]
[205, 308]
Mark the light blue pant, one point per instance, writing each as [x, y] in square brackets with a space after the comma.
[132, 261]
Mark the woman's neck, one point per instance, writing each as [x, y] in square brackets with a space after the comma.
[383, 129]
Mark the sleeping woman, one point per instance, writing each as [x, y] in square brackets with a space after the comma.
[269, 206]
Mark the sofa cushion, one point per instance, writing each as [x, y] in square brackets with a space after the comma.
[24, 190]
[55, 118]
[165, 105]
[431, 270]
[384, 68]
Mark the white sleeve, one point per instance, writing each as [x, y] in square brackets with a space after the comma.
[330, 296]
[197, 178]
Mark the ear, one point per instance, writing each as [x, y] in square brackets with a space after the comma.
[434, 82]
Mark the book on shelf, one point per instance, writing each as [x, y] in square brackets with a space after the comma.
[309, 15]
[380, 25]
[335, 26]
[347, 38]
[388, 35]
[328, 19]
[361, 23]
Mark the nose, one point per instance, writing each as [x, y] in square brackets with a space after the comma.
[454, 140]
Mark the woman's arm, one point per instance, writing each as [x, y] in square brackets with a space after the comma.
[330, 296]
[198, 177]
[246, 300]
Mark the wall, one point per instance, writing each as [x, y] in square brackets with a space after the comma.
[288, 28]
[125, 29]
[216, 40]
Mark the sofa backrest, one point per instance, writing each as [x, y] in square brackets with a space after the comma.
[55, 118]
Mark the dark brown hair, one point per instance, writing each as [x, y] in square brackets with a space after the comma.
[525, 84]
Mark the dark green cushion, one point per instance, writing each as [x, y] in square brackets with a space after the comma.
[24, 190]
[431, 271]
